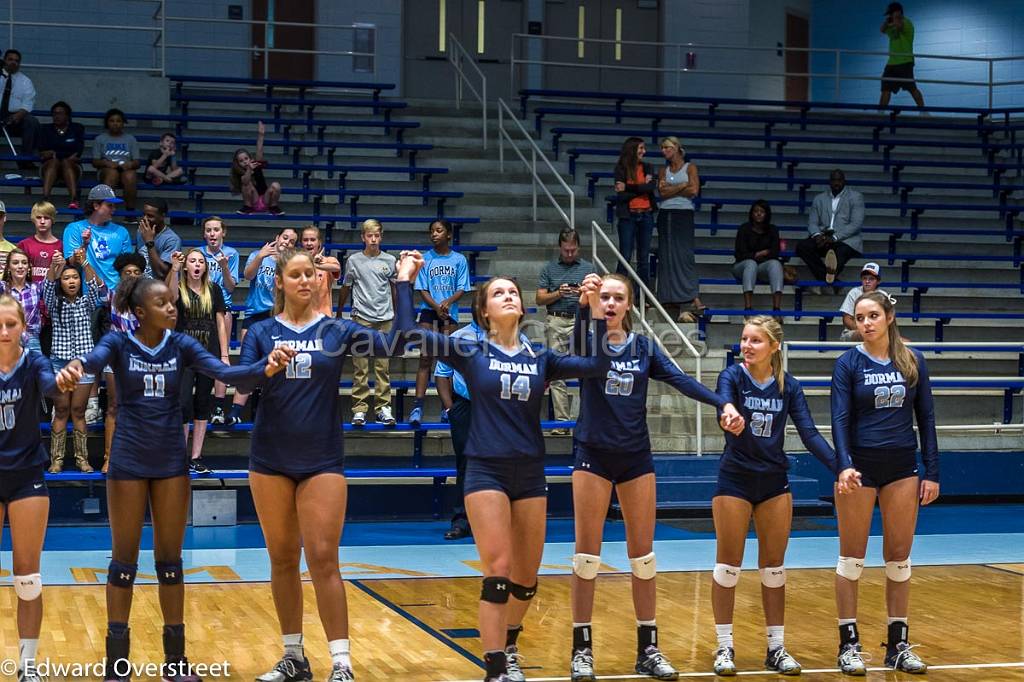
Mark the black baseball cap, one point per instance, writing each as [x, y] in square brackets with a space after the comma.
[893, 6]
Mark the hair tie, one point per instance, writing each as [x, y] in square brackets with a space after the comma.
[892, 299]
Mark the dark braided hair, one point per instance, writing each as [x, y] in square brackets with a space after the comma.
[130, 293]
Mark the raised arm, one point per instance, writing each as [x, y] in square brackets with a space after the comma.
[363, 342]
[173, 278]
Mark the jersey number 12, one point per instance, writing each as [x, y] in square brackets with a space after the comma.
[299, 367]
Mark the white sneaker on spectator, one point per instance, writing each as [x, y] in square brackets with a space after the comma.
[93, 413]
[385, 417]
[359, 419]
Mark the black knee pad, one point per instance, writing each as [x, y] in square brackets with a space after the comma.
[170, 572]
[521, 592]
[121, 574]
[495, 590]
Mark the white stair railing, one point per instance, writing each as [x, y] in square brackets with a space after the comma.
[505, 135]
[458, 57]
[598, 236]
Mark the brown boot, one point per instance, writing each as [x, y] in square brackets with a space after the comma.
[82, 452]
[58, 441]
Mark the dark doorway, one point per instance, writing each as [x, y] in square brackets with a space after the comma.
[425, 28]
[797, 61]
[288, 65]
[611, 20]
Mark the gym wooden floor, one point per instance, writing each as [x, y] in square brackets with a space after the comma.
[424, 629]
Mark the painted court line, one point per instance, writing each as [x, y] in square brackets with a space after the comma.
[951, 666]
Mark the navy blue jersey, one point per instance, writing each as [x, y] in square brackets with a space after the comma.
[508, 388]
[149, 441]
[21, 391]
[760, 447]
[873, 409]
[613, 408]
[298, 422]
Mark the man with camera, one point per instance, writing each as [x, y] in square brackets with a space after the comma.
[16, 102]
[559, 290]
[899, 70]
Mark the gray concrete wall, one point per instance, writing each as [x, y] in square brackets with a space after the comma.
[91, 90]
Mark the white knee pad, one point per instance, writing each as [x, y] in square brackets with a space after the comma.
[28, 587]
[644, 567]
[898, 571]
[850, 567]
[726, 575]
[586, 566]
[773, 576]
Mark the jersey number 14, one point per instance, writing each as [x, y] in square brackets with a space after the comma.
[520, 388]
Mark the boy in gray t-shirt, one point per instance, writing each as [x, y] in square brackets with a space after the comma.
[370, 276]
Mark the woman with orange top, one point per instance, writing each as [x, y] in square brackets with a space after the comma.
[635, 184]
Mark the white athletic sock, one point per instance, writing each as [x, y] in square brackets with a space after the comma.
[847, 621]
[339, 652]
[724, 633]
[776, 636]
[293, 646]
[648, 623]
[27, 651]
[893, 619]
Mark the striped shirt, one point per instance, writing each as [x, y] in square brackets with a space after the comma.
[30, 297]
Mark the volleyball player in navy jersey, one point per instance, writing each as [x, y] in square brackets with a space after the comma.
[879, 387]
[613, 449]
[505, 487]
[300, 492]
[752, 482]
[25, 377]
[148, 461]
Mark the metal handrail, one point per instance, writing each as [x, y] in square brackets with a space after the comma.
[535, 152]
[457, 55]
[597, 234]
[680, 66]
[159, 29]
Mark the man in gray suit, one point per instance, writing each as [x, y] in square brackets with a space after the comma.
[834, 225]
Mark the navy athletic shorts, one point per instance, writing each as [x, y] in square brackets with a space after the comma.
[21, 483]
[755, 488]
[117, 474]
[615, 466]
[518, 478]
[252, 318]
[297, 478]
[879, 468]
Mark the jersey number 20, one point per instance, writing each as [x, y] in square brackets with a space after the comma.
[520, 388]
[618, 384]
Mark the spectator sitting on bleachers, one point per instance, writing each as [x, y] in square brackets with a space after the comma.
[162, 164]
[61, 145]
[635, 183]
[5, 246]
[155, 240]
[246, 178]
[834, 225]
[328, 269]
[757, 255]
[870, 278]
[104, 239]
[115, 154]
[370, 276]
[16, 104]
[41, 246]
